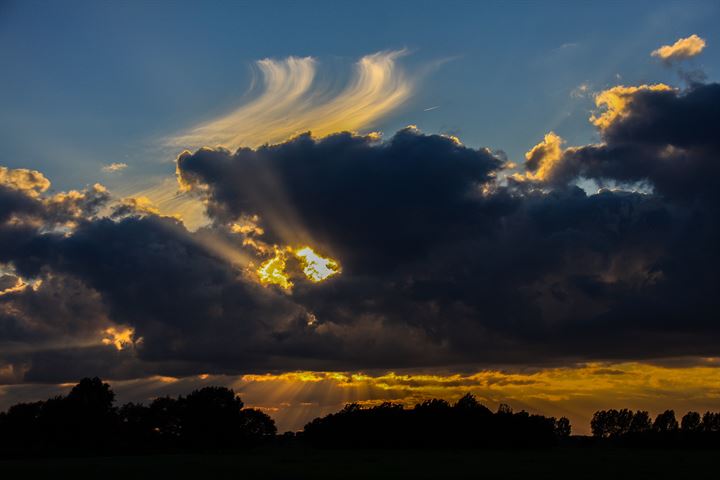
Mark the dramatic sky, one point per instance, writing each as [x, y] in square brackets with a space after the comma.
[316, 203]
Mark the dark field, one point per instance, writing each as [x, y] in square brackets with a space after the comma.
[301, 463]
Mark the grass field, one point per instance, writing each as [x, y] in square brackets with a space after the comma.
[303, 463]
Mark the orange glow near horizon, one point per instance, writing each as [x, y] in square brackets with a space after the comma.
[294, 398]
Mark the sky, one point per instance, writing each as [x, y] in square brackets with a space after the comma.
[513, 199]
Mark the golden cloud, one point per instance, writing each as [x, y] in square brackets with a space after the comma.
[543, 157]
[292, 102]
[31, 182]
[614, 103]
[120, 338]
[682, 49]
[140, 204]
[170, 201]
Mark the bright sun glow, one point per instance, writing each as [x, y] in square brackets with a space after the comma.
[119, 337]
[315, 267]
[272, 271]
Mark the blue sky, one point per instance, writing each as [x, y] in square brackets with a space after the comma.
[86, 84]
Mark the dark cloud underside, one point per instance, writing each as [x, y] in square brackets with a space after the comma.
[442, 263]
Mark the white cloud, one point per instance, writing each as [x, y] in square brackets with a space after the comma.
[114, 167]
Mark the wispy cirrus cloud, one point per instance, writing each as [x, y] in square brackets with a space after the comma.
[293, 101]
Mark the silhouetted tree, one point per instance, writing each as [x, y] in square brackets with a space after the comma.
[665, 422]
[166, 419]
[92, 396]
[640, 422]
[664, 431]
[710, 422]
[434, 404]
[256, 424]
[601, 423]
[562, 427]
[88, 409]
[19, 427]
[468, 402]
[86, 422]
[504, 409]
[690, 422]
[616, 423]
[210, 417]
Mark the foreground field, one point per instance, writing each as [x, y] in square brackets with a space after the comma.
[301, 463]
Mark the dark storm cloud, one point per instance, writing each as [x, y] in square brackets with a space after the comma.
[515, 274]
[349, 191]
[441, 262]
[667, 138]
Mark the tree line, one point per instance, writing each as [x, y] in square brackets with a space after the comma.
[87, 421]
[636, 427]
[435, 423]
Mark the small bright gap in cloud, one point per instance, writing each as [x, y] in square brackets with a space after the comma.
[592, 187]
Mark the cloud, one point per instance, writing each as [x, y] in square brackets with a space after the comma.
[30, 182]
[114, 167]
[343, 192]
[682, 49]
[294, 101]
[135, 206]
[581, 91]
[615, 102]
[169, 200]
[651, 134]
[577, 260]
[442, 261]
[542, 158]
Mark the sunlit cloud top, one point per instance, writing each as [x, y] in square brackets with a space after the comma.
[614, 102]
[683, 48]
[293, 101]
